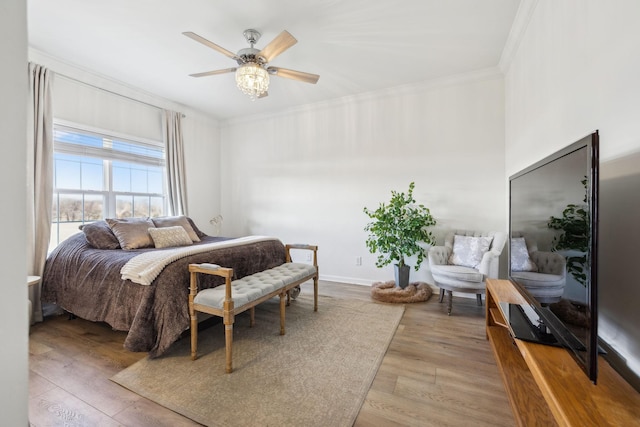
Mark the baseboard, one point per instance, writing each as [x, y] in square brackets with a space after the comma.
[352, 280]
[368, 282]
[619, 363]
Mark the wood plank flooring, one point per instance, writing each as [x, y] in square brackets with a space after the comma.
[438, 371]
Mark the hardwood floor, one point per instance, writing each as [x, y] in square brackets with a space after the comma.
[438, 371]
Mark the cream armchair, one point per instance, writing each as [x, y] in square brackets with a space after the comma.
[465, 261]
[544, 275]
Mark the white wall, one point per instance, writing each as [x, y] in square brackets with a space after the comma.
[576, 70]
[87, 98]
[202, 157]
[13, 263]
[306, 175]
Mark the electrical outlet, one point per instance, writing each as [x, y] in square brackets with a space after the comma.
[358, 260]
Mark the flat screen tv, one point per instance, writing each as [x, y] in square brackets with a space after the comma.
[553, 230]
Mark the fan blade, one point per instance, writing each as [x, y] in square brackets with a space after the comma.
[212, 45]
[213, 73]
[295, 75]
[282, 42]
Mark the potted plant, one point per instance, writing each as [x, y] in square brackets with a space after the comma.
[395, 231]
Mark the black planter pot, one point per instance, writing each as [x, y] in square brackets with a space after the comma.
[402, 276]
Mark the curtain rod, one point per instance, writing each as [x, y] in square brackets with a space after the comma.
[110, 91]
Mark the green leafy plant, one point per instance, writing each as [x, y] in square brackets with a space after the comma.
[397, 228]
[574, 225]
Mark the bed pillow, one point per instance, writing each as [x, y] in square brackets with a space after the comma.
[132, 233]
[100, 236]
[193, 225]
[167, 237]
[520, 260]
[469, 250]
[172, 221]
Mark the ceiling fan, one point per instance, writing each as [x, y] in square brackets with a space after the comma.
[252, 72]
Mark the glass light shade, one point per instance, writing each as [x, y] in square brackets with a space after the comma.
[252, 80]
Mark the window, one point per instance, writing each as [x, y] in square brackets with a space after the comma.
[100, 176]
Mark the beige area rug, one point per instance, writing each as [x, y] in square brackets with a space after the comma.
[388, 292]
[317, 374]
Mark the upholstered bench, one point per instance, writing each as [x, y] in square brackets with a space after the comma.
[236, 296]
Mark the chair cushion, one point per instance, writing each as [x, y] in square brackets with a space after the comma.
[546, 295]
[546, 288]
[530, 279]
[243, 291]
[468, 250]
[252, 287]
[449, 273]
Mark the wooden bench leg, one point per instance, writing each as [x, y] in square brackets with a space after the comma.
[315, 293]
[194, 334]
[252, 317]
[194, 317]
[228, 319]
[282, 311]
[228, 337]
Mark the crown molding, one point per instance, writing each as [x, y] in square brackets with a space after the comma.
[517, 32]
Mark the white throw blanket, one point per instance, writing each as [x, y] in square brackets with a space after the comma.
[144, 268]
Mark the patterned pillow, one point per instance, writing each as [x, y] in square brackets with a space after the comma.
[132, 233]
[100, 236]
[166, 237]
[172, 221]
[520, 260]
[468, 250]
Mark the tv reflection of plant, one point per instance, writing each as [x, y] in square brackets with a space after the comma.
[574, 225]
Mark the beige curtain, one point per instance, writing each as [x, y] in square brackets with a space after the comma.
[174, 148]
[39, 177]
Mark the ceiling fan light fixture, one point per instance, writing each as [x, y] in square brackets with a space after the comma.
[252, 80]
[252, 73]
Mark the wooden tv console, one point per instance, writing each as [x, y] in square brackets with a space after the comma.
[545, 385]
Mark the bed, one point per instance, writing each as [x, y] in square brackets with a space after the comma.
[83, 277]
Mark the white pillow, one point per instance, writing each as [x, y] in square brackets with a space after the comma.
[166, 237]
[520, 260]
[173, 221]
[468, 250]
